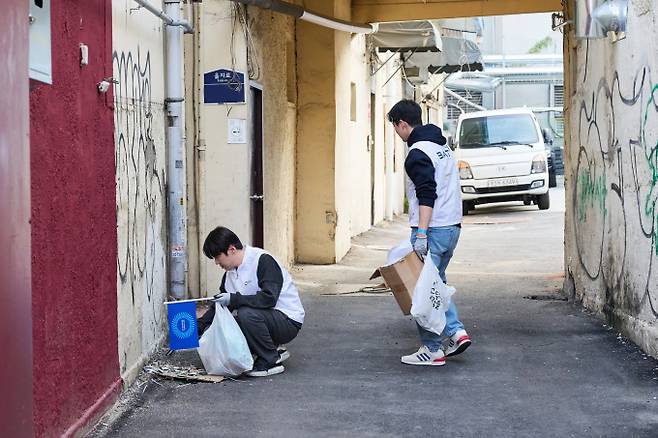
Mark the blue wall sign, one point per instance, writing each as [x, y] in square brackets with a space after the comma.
[223, 86]
[182, 326]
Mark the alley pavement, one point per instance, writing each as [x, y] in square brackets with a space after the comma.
[539, 366]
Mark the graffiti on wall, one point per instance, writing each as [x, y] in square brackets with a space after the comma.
[614, 204]
[140, 186]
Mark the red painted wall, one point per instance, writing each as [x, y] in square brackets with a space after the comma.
[15, 293]
[74, 242]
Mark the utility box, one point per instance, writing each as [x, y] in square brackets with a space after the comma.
[40, 47]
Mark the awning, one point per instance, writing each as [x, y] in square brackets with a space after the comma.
[458, 54]
[424, 47]
[475, 82]
[419, 36]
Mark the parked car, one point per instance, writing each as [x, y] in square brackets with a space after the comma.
[552, 171]
[501, 157]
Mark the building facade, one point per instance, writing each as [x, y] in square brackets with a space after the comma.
[611, 240]
[302, 164]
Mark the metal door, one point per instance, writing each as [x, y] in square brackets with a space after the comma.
[257, 238]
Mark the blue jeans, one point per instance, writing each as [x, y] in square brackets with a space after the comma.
[441, 242]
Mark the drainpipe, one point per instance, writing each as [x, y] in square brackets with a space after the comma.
[176, 181]
[165, 17]
[174, 99]
[302, 14]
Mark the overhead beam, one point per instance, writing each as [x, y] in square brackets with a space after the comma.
[372, 11]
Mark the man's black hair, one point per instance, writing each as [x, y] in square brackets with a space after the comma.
[407, 110]
[219, 240]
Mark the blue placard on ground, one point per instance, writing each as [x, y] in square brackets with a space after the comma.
[223, 86]
[182, 326]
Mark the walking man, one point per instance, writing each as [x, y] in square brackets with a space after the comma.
[435, 215]
[269, 310]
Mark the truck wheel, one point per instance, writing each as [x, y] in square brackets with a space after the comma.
[544, 201]
[467, 206]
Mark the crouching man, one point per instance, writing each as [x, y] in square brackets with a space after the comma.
[269, 310]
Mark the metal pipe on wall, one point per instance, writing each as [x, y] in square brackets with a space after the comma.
[174, 98]
[165, 17]
[302, 14]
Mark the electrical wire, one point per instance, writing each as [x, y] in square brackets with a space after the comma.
[253, 67]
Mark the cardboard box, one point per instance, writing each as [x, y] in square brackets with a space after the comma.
[401, 278]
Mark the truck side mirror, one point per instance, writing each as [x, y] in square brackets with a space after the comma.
[547, 137]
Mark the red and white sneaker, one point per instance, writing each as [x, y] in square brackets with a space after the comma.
[425, 357]
[458, 343]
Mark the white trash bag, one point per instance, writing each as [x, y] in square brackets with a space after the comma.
[431, 298]
[399, 251]
[223, 348]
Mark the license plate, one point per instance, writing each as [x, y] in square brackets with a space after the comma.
[501, 182]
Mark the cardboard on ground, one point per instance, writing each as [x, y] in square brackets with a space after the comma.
[401, 278]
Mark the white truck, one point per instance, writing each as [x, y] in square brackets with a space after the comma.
[501, 157]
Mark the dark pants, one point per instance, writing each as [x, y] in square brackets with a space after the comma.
[264, 330]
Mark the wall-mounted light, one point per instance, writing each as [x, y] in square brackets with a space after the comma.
[598, 18]
[104, 85]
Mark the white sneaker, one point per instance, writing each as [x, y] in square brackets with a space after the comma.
[458, 343]
[425, 357]
[284, 354]
[277, 369]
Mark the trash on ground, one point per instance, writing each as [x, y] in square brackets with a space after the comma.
[188, 373]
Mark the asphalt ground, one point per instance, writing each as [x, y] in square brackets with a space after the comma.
[539, 366]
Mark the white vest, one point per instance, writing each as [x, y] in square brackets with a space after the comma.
[448, 204]
[244, 279]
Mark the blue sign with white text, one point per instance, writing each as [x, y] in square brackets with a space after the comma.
[223, 86]
[182, 326]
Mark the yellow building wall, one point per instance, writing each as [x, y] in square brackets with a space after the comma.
[316, 217]
[318, 166]
[274, 41]
[220, 180]
[334, 160]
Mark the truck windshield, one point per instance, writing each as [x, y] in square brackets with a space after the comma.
[491, 131]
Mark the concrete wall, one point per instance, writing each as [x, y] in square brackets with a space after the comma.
[317, 159]
[74, 269]
[140, 157]
[611, 172]
[335, 163]
[393, 150]
[316, 215]
[353, 157]
[274, 60]
[223, 171]
[15, 274]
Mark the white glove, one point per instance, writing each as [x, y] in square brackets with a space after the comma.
[224, 299]
[420, 246]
